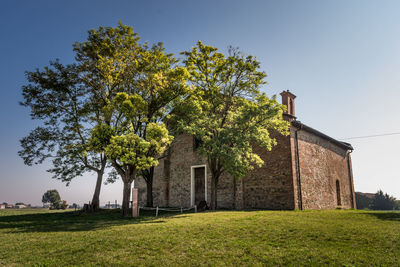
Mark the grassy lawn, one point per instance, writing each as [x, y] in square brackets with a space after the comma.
[337, 237]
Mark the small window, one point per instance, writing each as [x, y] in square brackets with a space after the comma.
[339, 201]
[290, 108]
[196, 143]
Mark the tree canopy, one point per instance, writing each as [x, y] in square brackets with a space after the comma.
[227, 112]
[52, 197]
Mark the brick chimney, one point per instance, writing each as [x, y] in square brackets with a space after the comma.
[288, 101]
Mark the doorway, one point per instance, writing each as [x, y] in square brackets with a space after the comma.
[198, 184]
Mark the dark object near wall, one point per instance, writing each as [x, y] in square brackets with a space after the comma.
[202, 206]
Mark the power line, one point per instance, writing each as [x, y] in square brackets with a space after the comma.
[369, 136]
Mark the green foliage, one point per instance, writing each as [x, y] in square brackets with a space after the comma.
[52, 197]
[56, 98]
[131, 149]
[157, 136]
[362, 201]
[137, 141]
[107, 58]
[137, 85]
[383, 201]
[100, 138]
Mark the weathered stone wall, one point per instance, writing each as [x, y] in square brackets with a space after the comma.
[183, 156]
[271, 185]
[226, 193]
[159, 189]
[267, 187]
[322, 163]
[172, 177]
[140, 184]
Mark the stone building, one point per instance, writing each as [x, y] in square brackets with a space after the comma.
[306, 170]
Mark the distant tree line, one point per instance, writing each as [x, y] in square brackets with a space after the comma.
[379, 201]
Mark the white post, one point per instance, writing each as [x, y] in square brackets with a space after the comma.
[195, 208]
[135, 203]
[181, 210]
[156, 211]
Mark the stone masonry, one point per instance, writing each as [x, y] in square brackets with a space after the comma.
[306, 170]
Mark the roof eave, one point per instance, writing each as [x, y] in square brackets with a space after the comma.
[302, 126]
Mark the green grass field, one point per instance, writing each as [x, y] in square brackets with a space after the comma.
[229, 238]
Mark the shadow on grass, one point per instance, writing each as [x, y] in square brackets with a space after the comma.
[385, 215]
[74, 221]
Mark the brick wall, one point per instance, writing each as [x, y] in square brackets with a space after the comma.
[322, 163]
[271, 185]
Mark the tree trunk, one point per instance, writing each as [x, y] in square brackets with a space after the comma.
[149, 184]
[214, 189]
[96, 196]
[126, 198]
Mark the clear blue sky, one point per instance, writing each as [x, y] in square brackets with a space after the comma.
[341, 59]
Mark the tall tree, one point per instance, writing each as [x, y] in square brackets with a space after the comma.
[164, 87]
[138, 87]
[57, 98]
[131, 152]
[227, 112]
[82, 109]
[107, 63]
[73, 99]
